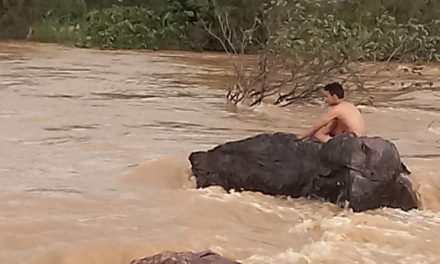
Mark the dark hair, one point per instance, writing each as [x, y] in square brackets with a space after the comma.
[335, 88]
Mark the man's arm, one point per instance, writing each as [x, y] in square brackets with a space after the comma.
[325, 120]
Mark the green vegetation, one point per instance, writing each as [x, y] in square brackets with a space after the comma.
[311, 39]
[15, 18]
[391, 30]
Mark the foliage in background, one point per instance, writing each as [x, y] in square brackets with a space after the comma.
[301, 42]
[381, 30]
[15, 18]
[310, 42]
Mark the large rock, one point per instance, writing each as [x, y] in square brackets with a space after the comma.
[205, 257]
[366, 172]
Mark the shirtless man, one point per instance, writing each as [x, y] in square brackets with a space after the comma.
[342, 118]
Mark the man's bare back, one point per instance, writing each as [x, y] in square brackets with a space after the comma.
[347, 119]
[342, 118]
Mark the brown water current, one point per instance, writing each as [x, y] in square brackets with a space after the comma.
[94, 169]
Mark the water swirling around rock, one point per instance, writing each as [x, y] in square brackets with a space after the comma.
[94, 165]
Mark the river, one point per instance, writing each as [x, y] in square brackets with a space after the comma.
[94, 164]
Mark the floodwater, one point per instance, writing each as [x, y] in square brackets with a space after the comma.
[94, 168]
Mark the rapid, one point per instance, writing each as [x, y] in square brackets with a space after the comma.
[94, 163]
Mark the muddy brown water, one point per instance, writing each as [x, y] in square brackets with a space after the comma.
[94, 169]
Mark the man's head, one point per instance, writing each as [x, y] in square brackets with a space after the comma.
[333, 93]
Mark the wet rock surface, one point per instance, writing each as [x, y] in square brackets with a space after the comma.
[363, 172]
[205, 257]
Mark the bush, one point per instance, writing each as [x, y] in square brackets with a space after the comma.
[15, 18]
[134, 27]
[312, 41]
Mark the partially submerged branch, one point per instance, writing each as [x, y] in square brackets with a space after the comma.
[295, 63]
[277, 82]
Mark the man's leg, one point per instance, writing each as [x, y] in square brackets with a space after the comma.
[322, 137]
[324, 134]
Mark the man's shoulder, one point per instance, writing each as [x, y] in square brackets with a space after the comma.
[334, 111]
[338, 107]
[346, 105]
[342, 109]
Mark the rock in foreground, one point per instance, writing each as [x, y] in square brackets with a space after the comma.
[205, 257]
[366, 172]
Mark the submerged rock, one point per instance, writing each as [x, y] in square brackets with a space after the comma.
[205, 257]
[366, 172]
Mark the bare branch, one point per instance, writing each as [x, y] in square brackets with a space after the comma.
[227, 32]
[209, 30]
